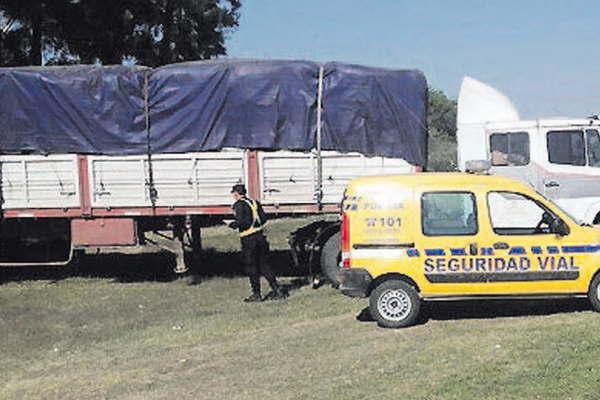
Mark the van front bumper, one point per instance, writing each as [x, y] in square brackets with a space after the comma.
[355, 282]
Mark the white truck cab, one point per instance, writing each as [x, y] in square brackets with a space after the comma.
[559, 157]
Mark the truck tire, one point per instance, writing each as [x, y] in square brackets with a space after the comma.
[394, 304]
[330, 259]
[594, 293]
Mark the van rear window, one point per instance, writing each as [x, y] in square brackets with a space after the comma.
[509, 149]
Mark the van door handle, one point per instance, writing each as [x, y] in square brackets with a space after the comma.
[501, 246]
[551, 183]
[473, 250]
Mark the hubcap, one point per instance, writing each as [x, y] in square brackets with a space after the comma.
[394, 304]
[598, 292]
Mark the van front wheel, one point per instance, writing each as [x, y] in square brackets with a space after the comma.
[594, 293]
[394, 304]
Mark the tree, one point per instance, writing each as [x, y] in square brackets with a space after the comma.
[13, 43]
[442, 113]
[29, 29]
[149, 32]
[186, 30]
[441, 119]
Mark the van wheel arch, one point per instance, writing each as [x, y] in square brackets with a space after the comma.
[596, 220]
[393, 275]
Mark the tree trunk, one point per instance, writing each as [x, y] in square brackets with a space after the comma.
[2, 58]
[35, 56]
[166, 53]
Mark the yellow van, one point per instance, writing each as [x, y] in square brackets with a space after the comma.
[437, 236]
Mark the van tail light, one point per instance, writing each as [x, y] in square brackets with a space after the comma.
[345, 239]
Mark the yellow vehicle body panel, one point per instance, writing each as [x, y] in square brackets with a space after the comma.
[387, 235]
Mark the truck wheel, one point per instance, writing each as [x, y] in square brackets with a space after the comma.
[394, 304]
[594, 293]
[330, 259]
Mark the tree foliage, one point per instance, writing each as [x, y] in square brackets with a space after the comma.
[149, 32]
[441, 115]
[441, 120]
[14, 43]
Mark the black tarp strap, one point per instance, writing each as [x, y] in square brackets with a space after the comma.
[319, 185]
[1, 193]
[152, 193]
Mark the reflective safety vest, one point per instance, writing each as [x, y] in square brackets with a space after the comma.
[257, 224]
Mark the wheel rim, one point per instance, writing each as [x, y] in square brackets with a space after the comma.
[598, 292]
[394, 304]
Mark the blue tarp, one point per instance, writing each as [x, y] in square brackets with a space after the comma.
[242, 104]
[78, 109]
[377, 112]
[209, 105]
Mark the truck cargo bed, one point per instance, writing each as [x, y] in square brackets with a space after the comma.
[60, 185]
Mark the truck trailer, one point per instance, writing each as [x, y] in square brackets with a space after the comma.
[95, 156]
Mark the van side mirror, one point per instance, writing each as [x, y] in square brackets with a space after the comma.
[559, 227]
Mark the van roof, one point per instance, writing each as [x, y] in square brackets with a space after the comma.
[558, 122]
[446, 180]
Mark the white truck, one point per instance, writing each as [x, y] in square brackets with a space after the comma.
[559, 157]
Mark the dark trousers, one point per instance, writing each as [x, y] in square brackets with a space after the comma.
[255, 249]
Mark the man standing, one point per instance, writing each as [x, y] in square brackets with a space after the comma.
[250, 220]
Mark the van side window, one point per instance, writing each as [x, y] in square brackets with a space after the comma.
[516, 214]
[448, 213]
[593, 147]
[509, 149]
[566, 147]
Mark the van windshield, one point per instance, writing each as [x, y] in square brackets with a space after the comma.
[567, 213]
[593, 147]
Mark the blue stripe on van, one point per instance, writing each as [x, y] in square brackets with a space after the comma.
[536, 250]
[487, 251]
[413, 253]
[515, 250]
[581, 249]
[553, 250]
[435, 252]
[519, 250]
[458, 252]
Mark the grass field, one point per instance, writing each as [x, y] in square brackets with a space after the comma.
[121, 326]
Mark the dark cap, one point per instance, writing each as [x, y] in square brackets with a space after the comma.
[239, 188]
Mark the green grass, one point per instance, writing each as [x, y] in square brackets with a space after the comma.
[104, 333]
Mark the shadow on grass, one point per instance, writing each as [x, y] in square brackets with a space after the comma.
[151, 267]
[488, 309]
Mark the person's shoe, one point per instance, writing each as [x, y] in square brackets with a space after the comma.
[253, 298]
[276, 294]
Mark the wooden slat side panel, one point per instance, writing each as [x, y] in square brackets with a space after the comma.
[32, 181]
[287, 178]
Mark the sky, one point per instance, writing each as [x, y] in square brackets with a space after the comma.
[544, 55]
